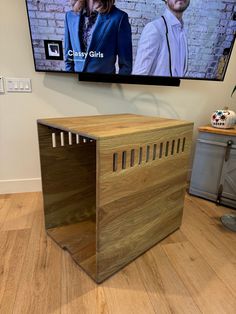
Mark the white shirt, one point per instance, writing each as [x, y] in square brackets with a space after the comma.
[153, 55]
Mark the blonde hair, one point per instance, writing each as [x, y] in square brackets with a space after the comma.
[102, 6]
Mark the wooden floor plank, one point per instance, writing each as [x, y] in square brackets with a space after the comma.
[13, 245]
[40, 281]
[210, 207]
[204, 285]
[207, 218]
[5, 208]
[21, 211]
[125, 293]
[217, 255]
[191, 271]
[167, 292]
[31, 291]
[78, 291]
[52, 270]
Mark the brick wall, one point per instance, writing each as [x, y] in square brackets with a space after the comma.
[209, 24]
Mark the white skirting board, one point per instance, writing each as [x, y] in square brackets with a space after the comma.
[20, 185]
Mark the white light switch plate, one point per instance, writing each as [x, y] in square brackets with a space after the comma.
[2, 90]
[18, 85]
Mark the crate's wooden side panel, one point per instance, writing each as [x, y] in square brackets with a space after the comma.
[122, 182]
[141, 203]
[69, 191]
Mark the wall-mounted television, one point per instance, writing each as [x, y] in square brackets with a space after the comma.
[134, 41]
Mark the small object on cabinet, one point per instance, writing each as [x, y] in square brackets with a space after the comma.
[223, 119]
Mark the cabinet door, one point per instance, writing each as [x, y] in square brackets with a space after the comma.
[228, 180]
[207, 167]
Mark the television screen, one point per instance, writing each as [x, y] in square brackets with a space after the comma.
[150, 38]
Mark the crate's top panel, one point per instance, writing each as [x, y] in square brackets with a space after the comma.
[103, 126]
[210, 129]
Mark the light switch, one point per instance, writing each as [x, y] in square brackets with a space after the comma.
[27, 86]
[18, 85]
[15, 83]
[21, 85]
[2, 90]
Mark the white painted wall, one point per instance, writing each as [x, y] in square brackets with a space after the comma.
[56, 95]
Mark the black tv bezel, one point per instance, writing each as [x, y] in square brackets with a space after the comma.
[129, 79]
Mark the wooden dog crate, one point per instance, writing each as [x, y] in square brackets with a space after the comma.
[113, 185]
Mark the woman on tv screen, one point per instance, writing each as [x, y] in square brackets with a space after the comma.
[140, 39]
[91, 29]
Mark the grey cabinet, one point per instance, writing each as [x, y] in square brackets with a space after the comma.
[214, 167]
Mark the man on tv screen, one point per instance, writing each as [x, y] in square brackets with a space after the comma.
[94, 36]
[162, 48]
[91, 29]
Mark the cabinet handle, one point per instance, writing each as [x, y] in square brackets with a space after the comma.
[215, 143]
[219, 194]
[227, 151]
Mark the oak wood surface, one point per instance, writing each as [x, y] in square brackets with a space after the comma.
[188, 272]
[68, 180]
[211, 129]
[124, 190]
[69, 189]
[139, 204]
[103, 126]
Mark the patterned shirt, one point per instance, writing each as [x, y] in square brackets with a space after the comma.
[86, 28]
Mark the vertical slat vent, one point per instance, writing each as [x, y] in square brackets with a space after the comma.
[178, 146]
[132, 157]
[69, 138]
[161, 150]
[115, 161]
[149, 153]
[183, 144]
[140, 157]
[124, 160]
[54, 142]
[63, 138]
[154, 152]
[167, 149]
[173, 147]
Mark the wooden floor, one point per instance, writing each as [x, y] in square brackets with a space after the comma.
[191, 271]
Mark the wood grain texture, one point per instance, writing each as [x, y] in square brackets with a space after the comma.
[197, 276]
[79, 240]
[164, 285]
[69, 189]
[68, 180]
[141, 204]
[109, 200]
[210, 129]
[103, 126]
[188, 272]
[222, 258]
